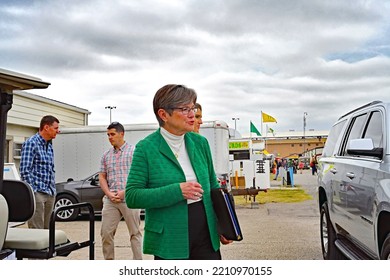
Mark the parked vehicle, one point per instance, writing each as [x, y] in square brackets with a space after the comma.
[71, 192]
[86, 190]
[354, 185]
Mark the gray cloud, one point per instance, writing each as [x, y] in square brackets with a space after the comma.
[243, 57]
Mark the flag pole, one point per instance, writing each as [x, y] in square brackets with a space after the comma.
[250, 130]
[250, 138]
[261, 118]
[265, 137]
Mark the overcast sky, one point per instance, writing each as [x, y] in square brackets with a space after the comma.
[242, 57]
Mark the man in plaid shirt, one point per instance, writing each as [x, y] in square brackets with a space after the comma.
[115, 166]
[37, 169]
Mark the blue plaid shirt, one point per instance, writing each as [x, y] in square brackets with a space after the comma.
[37, 164]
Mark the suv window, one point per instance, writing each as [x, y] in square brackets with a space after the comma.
[332, 139]
[355, 131]
[374, 129]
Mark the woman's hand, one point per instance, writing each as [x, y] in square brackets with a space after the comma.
[224, 241]
[191, 190]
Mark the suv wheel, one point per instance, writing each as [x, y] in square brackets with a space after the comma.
[328, 236]
[66, 215]
[385, 255]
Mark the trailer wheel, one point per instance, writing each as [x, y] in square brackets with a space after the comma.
[66, 215]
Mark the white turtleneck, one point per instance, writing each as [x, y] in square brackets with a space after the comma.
[178, 147]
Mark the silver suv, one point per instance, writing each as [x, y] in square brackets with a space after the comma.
[354, 185]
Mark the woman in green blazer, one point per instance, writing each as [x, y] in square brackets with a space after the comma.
[171, 177]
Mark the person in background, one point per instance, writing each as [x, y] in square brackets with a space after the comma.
[278, 166]
[301, 166]
[198, 117]
[313, 165]
[37, 169]
[295, 165]
[115, 166]
[171, 178]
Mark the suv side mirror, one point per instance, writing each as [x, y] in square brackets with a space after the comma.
[364, 147]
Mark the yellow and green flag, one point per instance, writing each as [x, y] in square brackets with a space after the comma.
[267, 118]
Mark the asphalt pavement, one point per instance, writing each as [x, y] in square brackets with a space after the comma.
[273, 231]
[280, 231]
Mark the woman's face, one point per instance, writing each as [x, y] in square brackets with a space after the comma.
[180, 121]
[198, 120]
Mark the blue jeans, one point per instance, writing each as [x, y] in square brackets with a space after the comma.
[277, 173]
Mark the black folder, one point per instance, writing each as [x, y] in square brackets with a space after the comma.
[228, 224]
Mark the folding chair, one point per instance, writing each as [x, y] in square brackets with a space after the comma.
[39, 243]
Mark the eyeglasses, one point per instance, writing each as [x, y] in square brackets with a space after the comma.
[185, 110]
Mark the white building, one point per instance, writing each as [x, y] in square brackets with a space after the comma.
[25, 115]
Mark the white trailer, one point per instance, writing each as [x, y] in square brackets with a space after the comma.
[250, 163]
[77, 151]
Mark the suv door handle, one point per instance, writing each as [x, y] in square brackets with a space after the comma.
[333, 170]
[350, 175]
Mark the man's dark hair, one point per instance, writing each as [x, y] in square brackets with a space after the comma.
[117, 126]
[198, 106]
[47, 120]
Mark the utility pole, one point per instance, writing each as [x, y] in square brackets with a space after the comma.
[235, 125]
[304, 133]
[110, 107]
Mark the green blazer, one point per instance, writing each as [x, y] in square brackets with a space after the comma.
[153, 184]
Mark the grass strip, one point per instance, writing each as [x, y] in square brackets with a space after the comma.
[285, 195]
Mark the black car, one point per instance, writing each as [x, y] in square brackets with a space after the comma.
[86, 190]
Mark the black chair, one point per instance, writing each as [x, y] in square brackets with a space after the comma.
[39, 243]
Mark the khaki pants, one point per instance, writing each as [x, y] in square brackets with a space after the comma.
[112, 214]
[44, 205]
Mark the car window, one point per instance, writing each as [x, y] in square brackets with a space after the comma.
[374, 129]
[355, 131]
[331, 141]
[94, 179]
